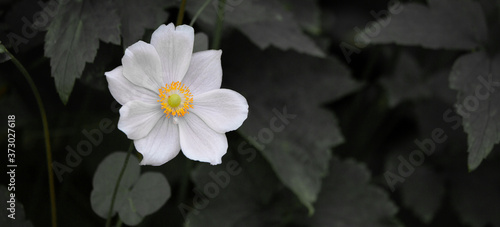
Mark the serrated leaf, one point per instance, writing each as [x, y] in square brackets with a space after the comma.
[235, 12]
[265, 22]
[286, 122]
[137, 16]
[73, 36]
[475, 195]
[348, 199]
[105, 179]
[264, 34]
[476, 77]
[443, 24]
[406, 82]
[423, 193]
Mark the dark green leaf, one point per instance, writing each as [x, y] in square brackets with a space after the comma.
[105, 179]
[73, 38]
[348, 199]
[235, 12]
[137, 16]
[264, 22]
[286, 122]
[279, 33]
[476, 77]
[137, 196]
[149, 194]
[443, 24]
[128, 213]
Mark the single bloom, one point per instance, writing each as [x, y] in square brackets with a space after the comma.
[171, 98]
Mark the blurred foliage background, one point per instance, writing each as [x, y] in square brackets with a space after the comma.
[362, 113]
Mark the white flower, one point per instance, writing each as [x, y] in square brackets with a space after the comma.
[172, 98]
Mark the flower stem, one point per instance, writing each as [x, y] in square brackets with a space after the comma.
[45, 125]
[218, 28]
[115, 191]
[199, 12]
[180, 17]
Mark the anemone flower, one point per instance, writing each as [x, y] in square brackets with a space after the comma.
[171, 98]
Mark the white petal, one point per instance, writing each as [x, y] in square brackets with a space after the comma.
[161, 144]
[175, 47]
[142, 66]
[199, 142]
[124, 91]
[138, 118]
[205, 72]
[222, 109]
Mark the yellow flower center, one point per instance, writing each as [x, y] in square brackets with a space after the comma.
[175, 99]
